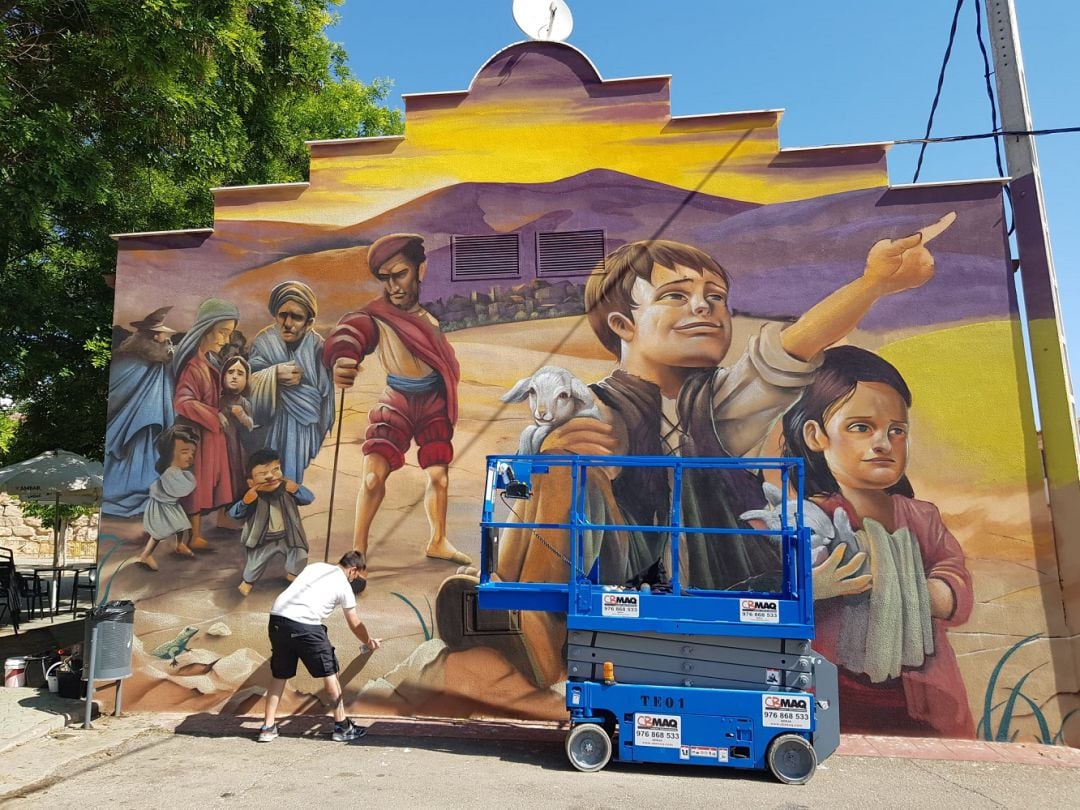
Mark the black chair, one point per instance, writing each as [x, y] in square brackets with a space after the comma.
[9, 594]
[32, 590]
[87, 585]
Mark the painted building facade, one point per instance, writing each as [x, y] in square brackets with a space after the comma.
[492, 240]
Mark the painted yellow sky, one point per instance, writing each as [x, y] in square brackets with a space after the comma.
[539, 131]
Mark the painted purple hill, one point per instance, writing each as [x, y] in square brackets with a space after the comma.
[782, 258]
[621, 204]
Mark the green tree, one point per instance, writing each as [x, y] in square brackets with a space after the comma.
[120, 115]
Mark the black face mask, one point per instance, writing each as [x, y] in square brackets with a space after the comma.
[358, 585]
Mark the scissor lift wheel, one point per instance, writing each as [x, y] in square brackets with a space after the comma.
[792, 759]
[588, 747]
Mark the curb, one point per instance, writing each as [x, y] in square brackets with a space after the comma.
[51, 714]
[51, 723]
[52, 757]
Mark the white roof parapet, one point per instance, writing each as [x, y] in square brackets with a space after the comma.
[365, 139]
[298, 184]
[867, 145]
[777, 111]
[141, 234]
[436, 93]
[630, 78]
[995, 180]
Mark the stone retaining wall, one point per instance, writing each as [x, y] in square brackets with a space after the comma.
[28, 538]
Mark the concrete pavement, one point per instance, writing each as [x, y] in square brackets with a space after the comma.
[138, 761]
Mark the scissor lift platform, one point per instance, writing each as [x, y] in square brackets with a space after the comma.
[663, 672]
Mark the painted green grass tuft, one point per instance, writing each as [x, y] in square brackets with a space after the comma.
[1005, 732]
[419, 616]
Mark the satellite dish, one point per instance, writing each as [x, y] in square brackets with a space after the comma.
[546, 20]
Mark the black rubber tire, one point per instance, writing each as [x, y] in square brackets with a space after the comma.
[792, 759]
[588, 747]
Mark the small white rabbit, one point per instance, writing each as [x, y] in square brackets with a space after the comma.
[555, 397]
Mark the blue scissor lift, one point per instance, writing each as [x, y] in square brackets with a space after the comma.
[660, 671]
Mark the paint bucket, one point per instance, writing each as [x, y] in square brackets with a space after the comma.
[51, 679]
[15, 671]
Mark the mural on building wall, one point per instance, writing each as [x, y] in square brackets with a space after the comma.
[591, 275]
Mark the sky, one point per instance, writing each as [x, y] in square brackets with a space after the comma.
[845, 71]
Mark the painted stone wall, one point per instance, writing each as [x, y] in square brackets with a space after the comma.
[696, 280]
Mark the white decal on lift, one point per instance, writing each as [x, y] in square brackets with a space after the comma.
[785, 711]
[772, 677]
[684, 752]
[759, 611]
[658, 730]
[703, 751]
[722, 755]
[621, 604]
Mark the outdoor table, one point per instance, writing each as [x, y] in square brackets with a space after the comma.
[54, 574]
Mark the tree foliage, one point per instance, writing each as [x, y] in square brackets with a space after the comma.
[119, 116]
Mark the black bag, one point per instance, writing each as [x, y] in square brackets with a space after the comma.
[70, 683]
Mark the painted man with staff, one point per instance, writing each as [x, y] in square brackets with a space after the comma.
[419, 403]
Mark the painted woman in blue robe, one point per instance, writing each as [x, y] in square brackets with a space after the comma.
[140, 408]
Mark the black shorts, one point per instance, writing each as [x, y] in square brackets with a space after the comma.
[292, 641]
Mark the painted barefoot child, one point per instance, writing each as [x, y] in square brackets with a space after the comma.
[271, 515]
[164, 517]
[882, 608]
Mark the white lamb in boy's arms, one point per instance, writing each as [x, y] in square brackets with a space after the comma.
[555, 397]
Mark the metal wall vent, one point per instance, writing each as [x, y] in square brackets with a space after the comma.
[569, 253]
[495, 256]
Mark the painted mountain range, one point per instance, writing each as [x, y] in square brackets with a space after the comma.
[782, 258]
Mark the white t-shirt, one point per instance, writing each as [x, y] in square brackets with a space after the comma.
[314, 594]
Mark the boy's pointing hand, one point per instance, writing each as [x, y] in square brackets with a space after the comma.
[893, 265]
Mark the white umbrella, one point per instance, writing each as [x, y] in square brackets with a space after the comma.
[56, 477]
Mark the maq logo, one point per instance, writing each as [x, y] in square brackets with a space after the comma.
[759, 604]
[648, 721]
[795, 703]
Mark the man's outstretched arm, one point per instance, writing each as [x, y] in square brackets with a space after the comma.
[359, 630]
[892, 265]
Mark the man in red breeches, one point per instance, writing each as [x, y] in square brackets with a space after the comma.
[420, 401]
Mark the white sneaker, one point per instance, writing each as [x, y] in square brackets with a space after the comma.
[268, 734]
[349, 732]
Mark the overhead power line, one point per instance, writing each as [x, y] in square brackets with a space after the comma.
[940, 84]
[982, 135]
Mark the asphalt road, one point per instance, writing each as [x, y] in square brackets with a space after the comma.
[197, 767]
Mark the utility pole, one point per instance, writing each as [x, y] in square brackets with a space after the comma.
[1057, 411]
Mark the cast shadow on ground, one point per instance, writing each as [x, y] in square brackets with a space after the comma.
[499, 741]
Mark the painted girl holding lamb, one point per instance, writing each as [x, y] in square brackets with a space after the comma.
[894, 577]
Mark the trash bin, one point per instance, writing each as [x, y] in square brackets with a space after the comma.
[109, 657]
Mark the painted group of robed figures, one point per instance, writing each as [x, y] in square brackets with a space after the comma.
[661, 309]
[205, 426]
